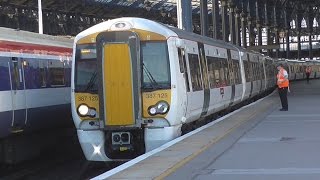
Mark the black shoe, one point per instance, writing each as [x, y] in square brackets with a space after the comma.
[283, 109]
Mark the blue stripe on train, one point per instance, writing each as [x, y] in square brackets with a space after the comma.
[38, 119]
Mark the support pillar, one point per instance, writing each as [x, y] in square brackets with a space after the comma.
[288, 43]
[215, 21]
[237, 25]
[310, 27]
[232, 23]
[259, 34]
[204, 17]
[250, 25]
[258, 24]
[243, 30]
[266, 18]
[298, 25]
[287, 31]
[277, 41]
[268, 39]
[310, 45]
[299, 43]
[184, 15]
[250, 30]
[224, 18]
[276, 31]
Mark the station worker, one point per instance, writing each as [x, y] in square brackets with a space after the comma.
[283, 85]
[308, 72]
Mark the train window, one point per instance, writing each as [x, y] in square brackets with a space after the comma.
[155, 61]
[223, 72]
[4, 74]
[195, 72]
[204, 66]
[56, 72]
[236, 71]
[246, 69]
[181, 56]
[211, 71]
[183, 67]
[217, 77]
[42, 73]
[230, 73]
[16, 73]
[186, 76]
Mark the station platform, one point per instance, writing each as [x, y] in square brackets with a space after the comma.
[256, 142]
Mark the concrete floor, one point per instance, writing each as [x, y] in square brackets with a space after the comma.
[280, 145]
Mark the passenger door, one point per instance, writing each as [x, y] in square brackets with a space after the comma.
[18, 95]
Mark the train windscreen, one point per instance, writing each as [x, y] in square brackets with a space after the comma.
[86, 69]
[155, 65]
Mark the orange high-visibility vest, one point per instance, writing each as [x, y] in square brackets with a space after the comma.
[308, 70]
[282, 81]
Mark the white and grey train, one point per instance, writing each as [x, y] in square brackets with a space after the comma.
[35, 75]
[136, 82]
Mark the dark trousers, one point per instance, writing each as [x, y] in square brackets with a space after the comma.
[308, 76]
[283, 97]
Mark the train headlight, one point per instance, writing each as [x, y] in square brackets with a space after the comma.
[92, 113]
[83, 110]
[162, 107]
[153, 111]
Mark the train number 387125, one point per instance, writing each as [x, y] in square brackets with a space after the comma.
[88, 98]
[156, 95]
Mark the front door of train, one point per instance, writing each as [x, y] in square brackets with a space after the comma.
[18, 95]
[118, 63]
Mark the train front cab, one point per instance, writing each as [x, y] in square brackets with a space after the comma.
[122, 94]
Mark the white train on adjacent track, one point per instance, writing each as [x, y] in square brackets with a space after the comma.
[136, 83]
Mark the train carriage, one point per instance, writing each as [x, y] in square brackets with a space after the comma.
[136, 82]
[35, 77]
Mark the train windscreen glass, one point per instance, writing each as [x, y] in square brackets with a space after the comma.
[155, 65]
[86, 69]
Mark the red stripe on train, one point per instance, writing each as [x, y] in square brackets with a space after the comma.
[19, 47]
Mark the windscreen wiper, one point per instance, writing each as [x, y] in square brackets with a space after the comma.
[154, 83]
[91, 82]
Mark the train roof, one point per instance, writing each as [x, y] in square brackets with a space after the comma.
[7, 34]
[207, 40]
[136, 23]
[165, 30]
